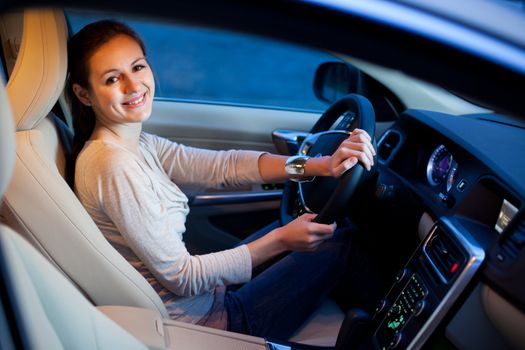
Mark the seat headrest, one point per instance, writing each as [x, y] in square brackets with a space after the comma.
[7, 140]
[40, 70]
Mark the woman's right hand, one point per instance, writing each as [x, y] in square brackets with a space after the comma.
[302, 234]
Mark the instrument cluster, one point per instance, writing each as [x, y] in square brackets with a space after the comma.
[442, 168]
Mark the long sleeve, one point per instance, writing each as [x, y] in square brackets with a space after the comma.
[189, 165]
[127, 198]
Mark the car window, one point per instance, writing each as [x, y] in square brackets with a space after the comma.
[2, 69]
[204, 64]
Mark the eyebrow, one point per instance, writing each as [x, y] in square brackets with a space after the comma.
[116, 70]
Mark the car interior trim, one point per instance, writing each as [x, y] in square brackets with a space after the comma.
[477, 255]
[235, 198]
[387, 146]
[425, 225]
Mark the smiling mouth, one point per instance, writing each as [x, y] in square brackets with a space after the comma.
[136, 101]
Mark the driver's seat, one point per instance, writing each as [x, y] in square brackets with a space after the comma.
[39, 309]
[40, 204]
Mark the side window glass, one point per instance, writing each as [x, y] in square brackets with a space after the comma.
[10, 35]
[203, 64]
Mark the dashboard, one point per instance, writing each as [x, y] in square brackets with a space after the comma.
[458, 165]
[466, 173]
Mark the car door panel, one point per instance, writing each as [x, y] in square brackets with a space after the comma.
[216, 126]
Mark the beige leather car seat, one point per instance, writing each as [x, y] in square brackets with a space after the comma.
[48, 312]
[40, 204]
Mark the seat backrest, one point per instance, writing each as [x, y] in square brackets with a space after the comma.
[45, 310]
[38, 202]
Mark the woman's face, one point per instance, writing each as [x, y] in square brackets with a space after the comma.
[121, 84]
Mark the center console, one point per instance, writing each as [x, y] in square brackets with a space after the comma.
[426, 288]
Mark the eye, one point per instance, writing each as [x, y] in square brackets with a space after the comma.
[111, 80]
[139, 67]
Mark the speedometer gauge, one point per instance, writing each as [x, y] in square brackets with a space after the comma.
[439, 165]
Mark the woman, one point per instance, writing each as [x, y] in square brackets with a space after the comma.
[128, 182]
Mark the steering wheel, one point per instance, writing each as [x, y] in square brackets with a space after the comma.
[328, 196]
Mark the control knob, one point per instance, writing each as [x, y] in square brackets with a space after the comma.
[383, 305]
[421, 309]
[403, 275]
[398, 341]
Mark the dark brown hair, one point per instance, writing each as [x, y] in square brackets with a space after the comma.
[80, 49]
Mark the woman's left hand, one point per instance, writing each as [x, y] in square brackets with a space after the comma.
[356, 148]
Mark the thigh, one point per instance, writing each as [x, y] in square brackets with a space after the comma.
[277, 301]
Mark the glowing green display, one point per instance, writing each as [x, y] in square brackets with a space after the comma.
[395, 323]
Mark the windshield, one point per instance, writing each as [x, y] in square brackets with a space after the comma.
[415, 93]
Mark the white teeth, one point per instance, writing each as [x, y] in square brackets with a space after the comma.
[136, 101]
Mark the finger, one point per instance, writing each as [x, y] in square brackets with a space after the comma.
[368, 149]
[331, 226]
[337, 163]
[346, 165]
[358, 140]
[366, 159]
[363, 158]
[315, 245]
[365, 147]
[308, 216]
[360, 137]
[327, 236]
[343, 152]
[362, 132]
[322, 230]
[371, 148]
[361, 140]
[348, 149]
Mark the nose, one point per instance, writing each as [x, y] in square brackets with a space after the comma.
[131, 84]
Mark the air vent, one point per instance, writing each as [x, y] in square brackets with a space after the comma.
[387, 145]
[512, 245]
[445, 256]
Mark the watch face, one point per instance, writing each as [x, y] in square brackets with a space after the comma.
[296, 165]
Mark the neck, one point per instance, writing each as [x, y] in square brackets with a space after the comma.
[125, 134]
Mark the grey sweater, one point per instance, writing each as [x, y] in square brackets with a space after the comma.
[140, 209]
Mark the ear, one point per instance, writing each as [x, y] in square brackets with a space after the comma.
[82, 94]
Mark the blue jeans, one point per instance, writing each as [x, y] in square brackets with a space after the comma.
[285, 291]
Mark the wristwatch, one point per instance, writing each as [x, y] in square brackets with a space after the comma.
[296, 167]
